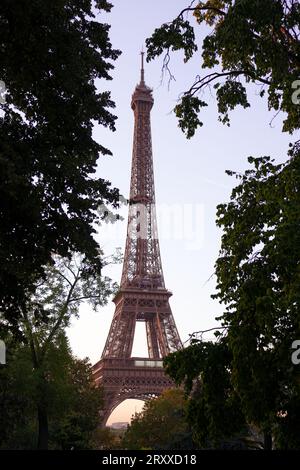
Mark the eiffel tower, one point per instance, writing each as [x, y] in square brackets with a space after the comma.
[143, 296]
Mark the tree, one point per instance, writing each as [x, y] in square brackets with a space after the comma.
[108, 439]
[248, 377]
[15, 399]
[214, 410]
[160, 425]
[51, 55]
[258, 267]
[258, 282]
[77, 426]
[73, 400]
[249, 41]
[48, 312]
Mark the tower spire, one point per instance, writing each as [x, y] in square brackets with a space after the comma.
[142, 67]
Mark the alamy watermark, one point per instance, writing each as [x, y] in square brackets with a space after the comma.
[296, 94]
[2, 352]
[2, 92]
[296, 354]
[177, 222]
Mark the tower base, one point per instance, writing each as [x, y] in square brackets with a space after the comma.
[121, 379]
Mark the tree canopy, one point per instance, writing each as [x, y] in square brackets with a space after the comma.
[213, 407]
[245, 41]
[160, 425]
[43, 320]
[258, 283]
[248, 376]
[51, 55]
[73, 400]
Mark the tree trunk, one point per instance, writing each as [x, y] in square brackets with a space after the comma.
[267, 441]
[43, 427]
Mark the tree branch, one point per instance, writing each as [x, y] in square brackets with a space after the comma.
[65, 278]
[64, 310]
[202, 82]
[75, 299]
[71, 270]
[206, 8]
[32, 344]
[201, 332]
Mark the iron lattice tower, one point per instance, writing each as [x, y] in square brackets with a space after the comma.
[142, 295]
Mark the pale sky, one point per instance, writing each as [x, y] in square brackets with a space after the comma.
[190, 177]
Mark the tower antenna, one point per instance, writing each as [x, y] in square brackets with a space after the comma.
[142, 67]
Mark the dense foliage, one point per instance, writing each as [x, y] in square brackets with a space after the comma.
[43, 320]
[160, 425]
[213, 408]
[258, 281]
[51, 54]
[73, 401]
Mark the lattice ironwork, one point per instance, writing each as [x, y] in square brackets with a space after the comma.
[122, 379]
[142, 296]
